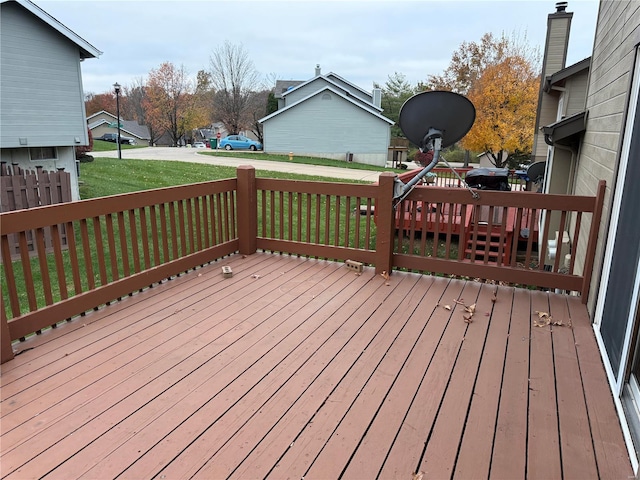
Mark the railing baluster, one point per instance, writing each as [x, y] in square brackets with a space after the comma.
[57, 255]
[124, 249]
[86, 254]
[73, 257]
[133, 232]
[41, 250]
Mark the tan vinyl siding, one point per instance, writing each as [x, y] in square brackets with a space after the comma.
[617, 34]
[576, 94]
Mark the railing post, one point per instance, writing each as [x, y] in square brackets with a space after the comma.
[247, 210]
[385, 232]
[6, 350]
[593, 240]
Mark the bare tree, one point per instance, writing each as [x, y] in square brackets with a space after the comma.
[234, 78]
[257, 109]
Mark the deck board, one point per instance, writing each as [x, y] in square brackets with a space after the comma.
[300, 368]
[543, 436]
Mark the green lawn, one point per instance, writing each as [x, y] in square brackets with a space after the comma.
[110, 176]
[325, 162]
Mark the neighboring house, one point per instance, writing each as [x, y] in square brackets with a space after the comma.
[601, 141]
[100, 123]
[42, 116]
[328, 116]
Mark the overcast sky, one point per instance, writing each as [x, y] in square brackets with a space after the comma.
[362, 41]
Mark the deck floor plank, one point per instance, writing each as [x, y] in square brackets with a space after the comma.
[407, 449]
[474, 457]
[298, 368]
[443, 443]
[369, 456]
[348, 329]
[543, 435]
[611, 456]
[348, 413]
[510, 442]
[576, 444]
[338, 365]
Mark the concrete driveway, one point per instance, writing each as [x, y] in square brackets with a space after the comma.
[194, 155]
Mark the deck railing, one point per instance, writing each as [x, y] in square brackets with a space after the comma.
[121, 244]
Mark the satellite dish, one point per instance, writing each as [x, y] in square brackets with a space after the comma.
[447, 115]
[535, 171]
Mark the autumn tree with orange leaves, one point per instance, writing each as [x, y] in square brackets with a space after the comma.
[505, 96]
[500, 76]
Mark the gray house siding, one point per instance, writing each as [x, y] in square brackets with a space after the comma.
[41, 95]
[617, 34]
[329, 125]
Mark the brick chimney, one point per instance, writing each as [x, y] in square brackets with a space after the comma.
[554, 60]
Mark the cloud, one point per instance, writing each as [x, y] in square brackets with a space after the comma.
[364, 42]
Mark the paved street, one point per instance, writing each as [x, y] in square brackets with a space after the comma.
[194, 155]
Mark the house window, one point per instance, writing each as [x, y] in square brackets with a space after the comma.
[326, 96]
[43, 153]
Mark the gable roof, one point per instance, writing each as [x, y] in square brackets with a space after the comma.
[560, 76]
[337, 85]
[335, 75]
[86, 49]
[360, 105]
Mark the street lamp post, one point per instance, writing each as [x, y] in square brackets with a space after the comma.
[116, 88]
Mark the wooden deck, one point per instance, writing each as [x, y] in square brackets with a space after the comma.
[299, 368]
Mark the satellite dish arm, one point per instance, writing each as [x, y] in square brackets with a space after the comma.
[434, 138]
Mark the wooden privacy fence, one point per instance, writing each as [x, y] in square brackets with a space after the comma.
[121, 244]
[32, 188]
[24, 189]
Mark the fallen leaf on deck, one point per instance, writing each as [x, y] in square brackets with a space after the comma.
[447, 307]
[543, 319]
[417, 476]
[494, 298]
[471, 309]
[385, 275]
[468, 317]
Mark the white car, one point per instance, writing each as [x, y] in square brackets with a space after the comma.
[199, 145]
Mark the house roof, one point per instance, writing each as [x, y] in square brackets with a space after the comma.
[283, 85]
[129, 126]
[337, 85]
[86, 49]
[372, 110]
[564, 131]
[328, 79]
[335, 75]
[560, 76]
